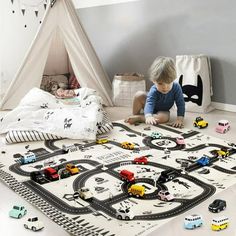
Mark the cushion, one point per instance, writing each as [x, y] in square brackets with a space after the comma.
[73, 82]
[51, 83]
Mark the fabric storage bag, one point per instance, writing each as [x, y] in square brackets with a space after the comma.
[194, 76]
[125, 86]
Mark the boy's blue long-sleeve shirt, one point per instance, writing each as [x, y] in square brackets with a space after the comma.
[157, 101]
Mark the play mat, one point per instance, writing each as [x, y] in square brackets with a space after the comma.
[189, 165]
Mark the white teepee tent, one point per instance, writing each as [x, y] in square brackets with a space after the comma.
[60, 44]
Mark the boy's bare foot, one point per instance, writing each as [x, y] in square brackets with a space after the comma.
[135, 119]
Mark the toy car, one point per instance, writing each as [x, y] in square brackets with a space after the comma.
[167, 175]
[219, 223]
[38, 177]
[223, 152]
[223, 126]
[34, 224]
[156, 135]
[101, 141]
[72, 169]
[180, 141]
[51, 174]
[127, 145]
[140, 160]
[17, 211]
[217, 205]
[204, 161]
[85, 193]
[124, 214]
[64, 174]
[193, 221]
[200, 123]
[165, 195]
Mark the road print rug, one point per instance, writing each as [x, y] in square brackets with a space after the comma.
[194, 171]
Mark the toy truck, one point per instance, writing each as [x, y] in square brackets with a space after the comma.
[28, 157]
[127, 175]
[136, 190]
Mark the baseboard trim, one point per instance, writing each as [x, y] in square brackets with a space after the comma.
[94, 3]
[224, 106]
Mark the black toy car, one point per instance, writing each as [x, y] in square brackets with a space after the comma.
[38, 177]
[217, 205]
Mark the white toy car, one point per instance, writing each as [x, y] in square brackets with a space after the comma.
[124, 214]
[34, 224]
[85, 193]
[165, 195]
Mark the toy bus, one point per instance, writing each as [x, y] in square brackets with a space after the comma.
[28, 157]
[219, 223]
[193, 221]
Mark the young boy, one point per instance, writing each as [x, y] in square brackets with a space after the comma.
[161, 96]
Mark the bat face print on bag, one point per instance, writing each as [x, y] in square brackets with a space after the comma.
[191, 92]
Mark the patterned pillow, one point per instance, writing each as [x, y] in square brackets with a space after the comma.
[73, 82]
[51, 83]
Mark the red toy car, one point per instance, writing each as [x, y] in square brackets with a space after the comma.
[140, 160]
[51, 174]
[127, 175]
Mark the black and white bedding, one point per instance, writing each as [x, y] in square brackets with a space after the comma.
[41, 116]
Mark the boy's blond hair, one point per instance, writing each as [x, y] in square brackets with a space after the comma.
[162, 70]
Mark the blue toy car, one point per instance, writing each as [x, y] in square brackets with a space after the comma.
[156, 135]
[204, 161]
[17, 211]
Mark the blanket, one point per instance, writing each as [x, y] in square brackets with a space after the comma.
[41, 111]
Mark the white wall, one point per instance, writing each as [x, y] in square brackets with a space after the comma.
[15, 37]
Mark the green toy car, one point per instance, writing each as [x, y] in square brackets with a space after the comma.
[17, 211]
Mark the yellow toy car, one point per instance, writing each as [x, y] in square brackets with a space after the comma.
[72, 169]
[200, 123]
[101, 141]
[223, 152]
[127, 145]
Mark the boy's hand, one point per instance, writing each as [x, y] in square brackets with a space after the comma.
[150, 120]
[179, 123]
